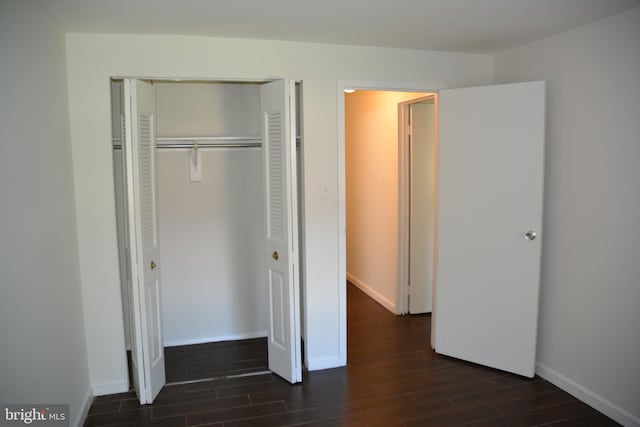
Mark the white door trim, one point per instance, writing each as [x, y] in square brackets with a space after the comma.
[342, 204]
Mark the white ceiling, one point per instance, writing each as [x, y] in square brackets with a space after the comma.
[478, 26]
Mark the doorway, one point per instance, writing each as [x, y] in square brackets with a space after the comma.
[490, 164]
[218, 303]
[390, 170]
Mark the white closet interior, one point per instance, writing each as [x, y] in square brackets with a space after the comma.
[211, 227]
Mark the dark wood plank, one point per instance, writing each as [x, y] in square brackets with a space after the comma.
[215, 359]
[228, 415]
[195, 406]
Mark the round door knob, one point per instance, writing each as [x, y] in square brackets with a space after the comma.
[530, 235]
[275, 255]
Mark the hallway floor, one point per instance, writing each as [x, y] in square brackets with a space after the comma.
[393, 378]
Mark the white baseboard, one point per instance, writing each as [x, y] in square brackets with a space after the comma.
[378, 297]
[321, 363]
[603, 405]
[81, 416]
[110, 388]
[202, 340]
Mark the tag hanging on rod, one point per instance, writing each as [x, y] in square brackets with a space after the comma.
[195, 164]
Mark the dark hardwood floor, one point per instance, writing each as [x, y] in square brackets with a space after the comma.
[393, 378]
[215, 360]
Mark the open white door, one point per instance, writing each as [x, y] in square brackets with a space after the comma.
[489, 224]
[281, 248]
[422, 205]
[140, 152]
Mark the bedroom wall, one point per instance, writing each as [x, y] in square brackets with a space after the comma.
[588, 340]
[43, 350]
[93, 58]
[211, 231]
[211, 240]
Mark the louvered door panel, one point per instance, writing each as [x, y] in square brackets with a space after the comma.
[146, 159]
[275, 176]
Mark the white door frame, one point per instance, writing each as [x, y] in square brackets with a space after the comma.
[302, 308]
[342, 203]
[404, 195]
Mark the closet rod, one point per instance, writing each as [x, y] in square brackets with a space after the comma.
[208, 138]
[188, 143]
[210, 145]
[221, 139]
[190, 146]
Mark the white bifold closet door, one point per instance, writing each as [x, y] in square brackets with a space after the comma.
[143, 245]
[489, 224]
[281, 239]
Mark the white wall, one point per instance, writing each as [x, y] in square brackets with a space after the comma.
[211, 242]
[93, 58]
[371, 156]
[43, 350]
[589, 342]
[207, 109]
[211, 232]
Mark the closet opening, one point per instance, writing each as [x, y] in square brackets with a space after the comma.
[217, 287]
